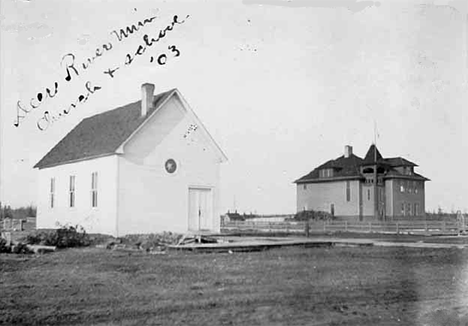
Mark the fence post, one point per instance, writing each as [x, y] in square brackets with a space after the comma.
[444, 226]
[397, 228]
[307, 228]
[370, 226]
[346, 226]
[425, 226]
[324, 226]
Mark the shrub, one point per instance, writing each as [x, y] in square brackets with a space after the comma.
[313, 215]
[151, 241]
[4, 248]
[21, 248]
[35, 237]
[64, 237]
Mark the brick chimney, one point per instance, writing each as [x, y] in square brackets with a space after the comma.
[348, 151]
[147, 93]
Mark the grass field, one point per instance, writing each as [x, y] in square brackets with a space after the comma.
[290, 286]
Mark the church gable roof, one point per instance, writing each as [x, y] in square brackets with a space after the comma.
[105, 133]
[99, 135]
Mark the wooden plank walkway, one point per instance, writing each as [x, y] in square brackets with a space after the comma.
[243, 244]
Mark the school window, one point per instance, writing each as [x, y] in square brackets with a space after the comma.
[368, 194]
[402, 186]
[94, 193]
[52, 192]
[305, 187]
[348, 191]
[408, 209]
[415, 186]
[416, 209]
[325, 173]
[410, 188]
[72, 191]
[403, 209]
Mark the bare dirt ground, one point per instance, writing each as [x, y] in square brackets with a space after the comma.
[288, 286]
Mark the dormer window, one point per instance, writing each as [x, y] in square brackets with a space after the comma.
[326, 173]
[407, 170]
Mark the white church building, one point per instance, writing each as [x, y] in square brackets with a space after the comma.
[147, 167]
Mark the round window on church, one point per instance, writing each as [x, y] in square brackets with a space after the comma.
[170, 166]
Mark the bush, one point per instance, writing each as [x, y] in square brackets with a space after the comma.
[313, 215]
[21, 248]
[64, 237]
[4, 248]
[151, 241]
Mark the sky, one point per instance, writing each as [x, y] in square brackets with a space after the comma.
[282, 86]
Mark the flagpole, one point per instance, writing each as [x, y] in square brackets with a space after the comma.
[375, 142]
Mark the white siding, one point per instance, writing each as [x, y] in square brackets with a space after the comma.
[100, 219]
[150, 199]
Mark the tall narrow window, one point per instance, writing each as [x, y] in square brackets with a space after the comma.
[348, 191]
[94, 194]
[368, 194]
[52, 192]
[72, 191]
[415, 186]
[408, 209]
[403, 209]
[416, 209]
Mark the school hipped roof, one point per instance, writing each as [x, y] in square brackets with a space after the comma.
[349, 168]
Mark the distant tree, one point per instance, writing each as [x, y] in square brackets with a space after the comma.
[8, 211]
[31, 211]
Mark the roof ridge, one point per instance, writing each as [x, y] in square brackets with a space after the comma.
[99, 134]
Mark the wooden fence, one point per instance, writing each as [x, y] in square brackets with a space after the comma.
[400, 227]
[13, 224]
